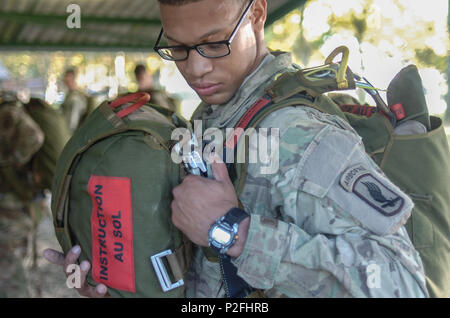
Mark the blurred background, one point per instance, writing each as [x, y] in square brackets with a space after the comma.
[40, 41]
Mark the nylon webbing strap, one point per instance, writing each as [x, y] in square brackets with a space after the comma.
[243, 123]
[232, 141]
[177, 264]
[236, 287]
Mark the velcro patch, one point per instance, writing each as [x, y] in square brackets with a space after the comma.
[359, 180]
[112, 232]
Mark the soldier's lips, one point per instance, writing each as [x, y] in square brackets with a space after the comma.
[206, 89]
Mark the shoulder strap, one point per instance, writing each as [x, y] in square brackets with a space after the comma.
[290, 89]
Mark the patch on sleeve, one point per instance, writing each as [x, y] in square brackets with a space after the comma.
[371, 198]
[112, 232]
[336, 166]
[373, 191]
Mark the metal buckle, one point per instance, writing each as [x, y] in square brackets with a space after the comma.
[161, 272]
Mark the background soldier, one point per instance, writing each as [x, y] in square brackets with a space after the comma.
[76, 104]
[31, 139]
[158, 97]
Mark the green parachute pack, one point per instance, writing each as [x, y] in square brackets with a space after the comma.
[112, 194]
[408, 145]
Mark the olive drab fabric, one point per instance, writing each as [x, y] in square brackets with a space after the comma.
[111, 196]
[419, 164]
[56, 136]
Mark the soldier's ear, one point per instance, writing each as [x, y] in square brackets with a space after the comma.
[259, 15]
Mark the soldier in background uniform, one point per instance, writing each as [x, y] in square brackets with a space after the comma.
[20, 139]
[32, 136]
[56, 136]
[31, 140]
[297, 235]
[76, 103]
[145, 84]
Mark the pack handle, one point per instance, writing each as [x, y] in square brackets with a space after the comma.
[342, 82]
[140, 98]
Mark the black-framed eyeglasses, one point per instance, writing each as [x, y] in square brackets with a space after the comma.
[209, 49]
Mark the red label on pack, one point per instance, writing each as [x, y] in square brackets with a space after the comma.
[399, 111]
[112, 232]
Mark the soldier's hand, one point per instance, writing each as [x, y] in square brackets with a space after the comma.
[199, 202]
[85, 290]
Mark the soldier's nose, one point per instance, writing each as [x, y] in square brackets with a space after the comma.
[197, 65]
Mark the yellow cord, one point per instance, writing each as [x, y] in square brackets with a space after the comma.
[341, 80]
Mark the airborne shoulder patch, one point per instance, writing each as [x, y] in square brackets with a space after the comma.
[373, 191]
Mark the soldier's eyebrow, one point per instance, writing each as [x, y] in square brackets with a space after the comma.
[202, 38]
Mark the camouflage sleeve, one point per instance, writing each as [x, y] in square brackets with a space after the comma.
[20, 136]
[333, 227]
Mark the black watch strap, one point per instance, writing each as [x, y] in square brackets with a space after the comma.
[235, 215]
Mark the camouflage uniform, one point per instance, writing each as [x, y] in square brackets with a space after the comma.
[308, 237]
[20, 139]
[20, 136]
[74, 108]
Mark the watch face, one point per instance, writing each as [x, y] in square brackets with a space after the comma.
[221, 236]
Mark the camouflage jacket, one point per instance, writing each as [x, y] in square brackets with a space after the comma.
[304, 239]
[20, 136]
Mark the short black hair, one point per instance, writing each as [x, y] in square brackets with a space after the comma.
[72, 71]
[139, 69]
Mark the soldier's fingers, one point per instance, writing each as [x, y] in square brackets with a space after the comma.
[71, 257]
[84, 270]
[219, 170]
[86, 290]
[99, 291]
[53, 256]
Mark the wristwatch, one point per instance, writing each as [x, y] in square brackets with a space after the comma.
[223, 233]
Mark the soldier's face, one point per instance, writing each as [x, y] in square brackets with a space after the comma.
[69, 79]
[214, 80]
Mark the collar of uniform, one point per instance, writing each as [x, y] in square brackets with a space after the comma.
[214, 111]
[248, 92]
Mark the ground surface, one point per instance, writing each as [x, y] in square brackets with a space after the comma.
[18, 277]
